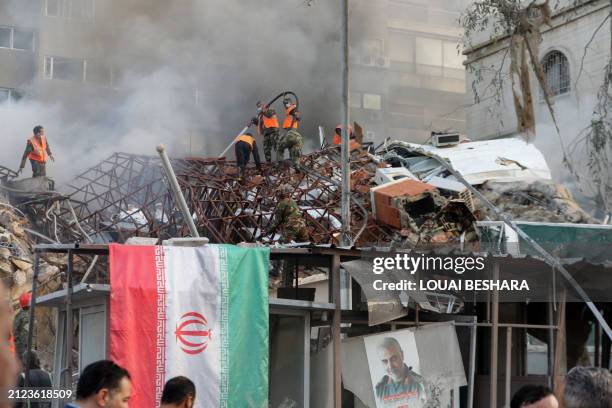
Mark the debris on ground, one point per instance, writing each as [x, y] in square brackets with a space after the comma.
[401, 196]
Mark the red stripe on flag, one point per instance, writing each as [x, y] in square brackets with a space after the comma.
[138, 320]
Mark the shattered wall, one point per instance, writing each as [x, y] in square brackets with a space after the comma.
[16, 272]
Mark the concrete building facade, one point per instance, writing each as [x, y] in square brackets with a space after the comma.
[574, 51]
[407, 75]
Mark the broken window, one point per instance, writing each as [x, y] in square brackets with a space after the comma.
[69, 69]
[556, 73]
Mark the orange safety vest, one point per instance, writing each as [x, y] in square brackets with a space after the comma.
[290, 121]
[246, 138]
[269, 122]
[337, 138]
[39, 152]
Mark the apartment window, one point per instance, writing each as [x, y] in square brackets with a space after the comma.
[372, 101]
[429, 51]
[23, 39]
[68, 69]
[10, 96]
[5, 37]
[556, 72]
[16, 38]
[77, 9]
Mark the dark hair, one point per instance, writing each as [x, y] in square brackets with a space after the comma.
[99, 375]
[177, 390]
[529, 394]
[37, 129]
[249, 134]
[30, 359]
[588, 387]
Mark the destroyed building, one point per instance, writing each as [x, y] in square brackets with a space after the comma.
[404, 196]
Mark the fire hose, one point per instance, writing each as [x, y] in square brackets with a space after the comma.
[252, 122]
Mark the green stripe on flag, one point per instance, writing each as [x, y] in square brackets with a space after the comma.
[247, 281]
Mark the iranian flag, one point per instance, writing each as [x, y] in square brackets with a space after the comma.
[197, 312]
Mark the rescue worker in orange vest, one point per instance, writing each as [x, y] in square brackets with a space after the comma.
[268, 127]
[338, 134]
[37, 150]
[244, 146]
[292, 115]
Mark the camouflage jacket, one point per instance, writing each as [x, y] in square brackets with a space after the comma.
[288, 217]
[20, 330]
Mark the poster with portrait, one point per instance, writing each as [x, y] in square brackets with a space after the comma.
[410, 368]
[395, 370]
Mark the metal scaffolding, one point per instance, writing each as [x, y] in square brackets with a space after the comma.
[128, 195]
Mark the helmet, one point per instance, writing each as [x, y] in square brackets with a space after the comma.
[25, 299]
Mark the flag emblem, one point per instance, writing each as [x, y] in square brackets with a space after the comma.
[193, 333]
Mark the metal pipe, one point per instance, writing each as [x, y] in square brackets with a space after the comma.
[69, 328]
[494, 340]
[223, 153]
[31, 321]
[551, 343]
[321, 136]
[508, 365]
[336, 331]
[472, 363]
[344, 146]
[176, 189]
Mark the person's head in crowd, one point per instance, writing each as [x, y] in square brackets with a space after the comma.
[9, 367]
[588, 387]
[104, 384]
[534, 396]
[179, 392]
[30, 359]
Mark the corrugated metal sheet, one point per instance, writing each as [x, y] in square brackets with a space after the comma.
[510, 159]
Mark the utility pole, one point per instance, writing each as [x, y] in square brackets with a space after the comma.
[344, 146]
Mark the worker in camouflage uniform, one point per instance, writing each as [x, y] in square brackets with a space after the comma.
[288, 218]
[294, 142]
[267, 124]
[21, 324]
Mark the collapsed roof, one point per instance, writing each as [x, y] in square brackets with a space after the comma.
[400, 196]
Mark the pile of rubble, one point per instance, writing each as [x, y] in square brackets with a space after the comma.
[16, 271]
[403, 195]
[537, 200]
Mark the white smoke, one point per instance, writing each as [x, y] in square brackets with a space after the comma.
[230, 53]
